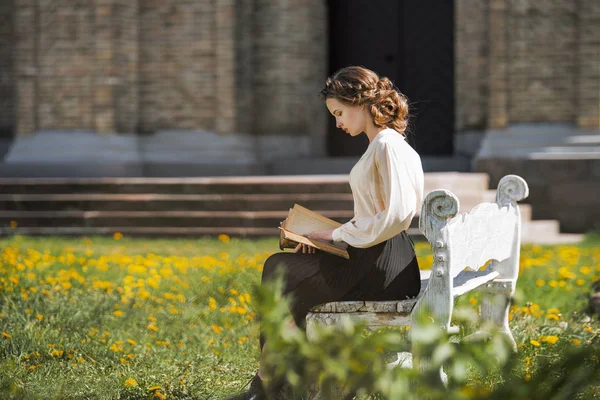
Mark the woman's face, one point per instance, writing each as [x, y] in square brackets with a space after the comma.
[350, 119]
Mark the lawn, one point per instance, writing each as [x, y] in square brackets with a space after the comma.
[101, 318]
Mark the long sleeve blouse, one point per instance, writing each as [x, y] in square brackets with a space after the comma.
[387, 187]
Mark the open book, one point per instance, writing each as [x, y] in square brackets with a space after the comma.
[300, 222]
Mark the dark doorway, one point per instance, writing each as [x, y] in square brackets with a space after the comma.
[412, 43]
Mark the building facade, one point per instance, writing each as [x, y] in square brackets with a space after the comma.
[202, 81]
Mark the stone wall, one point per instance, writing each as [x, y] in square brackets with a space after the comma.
[148, 65]
[177, 65]
[7, 82]
[471, 69]
[521, 61]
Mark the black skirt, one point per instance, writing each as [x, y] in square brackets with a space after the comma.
[387, 271]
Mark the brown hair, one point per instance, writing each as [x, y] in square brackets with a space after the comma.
[359, 86]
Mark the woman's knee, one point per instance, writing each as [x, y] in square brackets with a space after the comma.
[271, 265]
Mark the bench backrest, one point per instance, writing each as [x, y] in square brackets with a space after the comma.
[491, 231]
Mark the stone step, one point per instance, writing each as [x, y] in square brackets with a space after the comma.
[528, 237]
[217, 219]
[192, 202]
[456, 182]
[172, 218]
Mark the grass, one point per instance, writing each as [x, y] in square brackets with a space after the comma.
[100, 318]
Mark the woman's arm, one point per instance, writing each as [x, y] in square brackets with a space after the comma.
[397, 172]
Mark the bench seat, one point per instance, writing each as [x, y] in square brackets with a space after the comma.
[463, 283]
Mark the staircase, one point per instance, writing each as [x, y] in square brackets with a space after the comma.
[249, 206]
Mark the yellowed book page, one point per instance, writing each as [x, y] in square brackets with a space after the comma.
[302, 221]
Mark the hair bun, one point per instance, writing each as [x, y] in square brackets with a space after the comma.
[384, 84]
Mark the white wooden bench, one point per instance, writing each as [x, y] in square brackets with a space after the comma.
[461, 244]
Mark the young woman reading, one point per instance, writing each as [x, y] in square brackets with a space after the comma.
[387, 188]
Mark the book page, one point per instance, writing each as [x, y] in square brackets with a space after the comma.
[303, 221]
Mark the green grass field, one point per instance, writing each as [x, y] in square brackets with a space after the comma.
[107, 318]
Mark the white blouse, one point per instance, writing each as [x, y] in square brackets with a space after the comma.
[387, 188]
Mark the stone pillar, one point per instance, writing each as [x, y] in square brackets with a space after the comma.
[291, 67]
[7, 75]
[115, 66]
[225, 66]
[26, 68]
[588, 55]
[498, 65]
[471, 69]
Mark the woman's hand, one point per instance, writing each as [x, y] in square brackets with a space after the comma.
[306, 249]
[321, 235]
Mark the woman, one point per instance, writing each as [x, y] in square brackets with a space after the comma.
[387, 188]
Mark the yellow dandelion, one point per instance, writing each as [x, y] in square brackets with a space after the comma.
[549, 339]
[118, 313]
[217, 329]
[585, 270]
[153, 328]
[212, 304]
[159, 395]
[153, 388]
[553, 316]
[588, 329]
[6, 335]
[117, 235]
[39, 317]
[540, 282]
[580, 282]
[576, 342]
[473, 301]
[57, 353]
[130, 382]
[131, 342]
[224, 238]
[534, 342]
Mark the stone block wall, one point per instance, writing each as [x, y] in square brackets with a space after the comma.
[522, 61]
[7, 82]
[471, 69]
[147, 65]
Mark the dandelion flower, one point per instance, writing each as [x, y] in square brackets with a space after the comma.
[153, 388]
[130, 382]
[534, 342]
[540, 282]
[6, 335]
[217, 329]
[549, 339]
[117, 235]
[576, 342]
[224, 238]
[118, 313]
